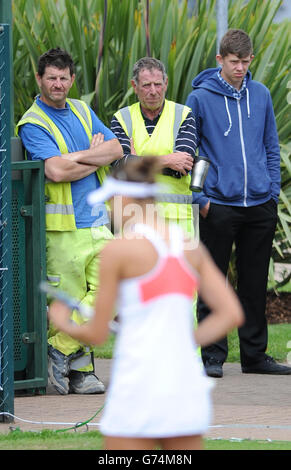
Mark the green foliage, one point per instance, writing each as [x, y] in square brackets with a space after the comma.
[282, 242]
[106, 37]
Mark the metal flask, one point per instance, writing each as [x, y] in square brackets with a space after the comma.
[199, 173]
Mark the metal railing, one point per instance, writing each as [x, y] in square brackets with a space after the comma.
[6, 309]
[29, 269]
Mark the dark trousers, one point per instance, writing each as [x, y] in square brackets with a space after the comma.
[251, 230]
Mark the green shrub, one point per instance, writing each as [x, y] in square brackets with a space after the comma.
[106, 37]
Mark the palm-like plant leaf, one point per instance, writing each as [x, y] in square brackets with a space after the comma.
[106, 38]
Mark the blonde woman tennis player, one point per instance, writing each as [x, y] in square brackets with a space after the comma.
[158, 394]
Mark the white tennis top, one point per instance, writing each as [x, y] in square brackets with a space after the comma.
[158, 387]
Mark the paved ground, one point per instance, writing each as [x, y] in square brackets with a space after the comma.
[246, 406]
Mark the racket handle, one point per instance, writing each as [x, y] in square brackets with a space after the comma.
[85, 310]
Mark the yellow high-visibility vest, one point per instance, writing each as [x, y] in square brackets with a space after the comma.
[59, 205]
[176, 202]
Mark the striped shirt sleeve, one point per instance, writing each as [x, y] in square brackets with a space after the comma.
[118, 130]
[186, 140]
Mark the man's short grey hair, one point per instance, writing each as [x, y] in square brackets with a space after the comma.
[148, 63]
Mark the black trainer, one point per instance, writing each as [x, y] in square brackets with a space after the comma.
[213, 368]
[85, 383]
[267, 366]
[58, 370]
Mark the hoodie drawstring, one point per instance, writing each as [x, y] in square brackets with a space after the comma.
[229, 115]
[248, 102]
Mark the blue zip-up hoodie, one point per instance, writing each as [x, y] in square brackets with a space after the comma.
[237, 132]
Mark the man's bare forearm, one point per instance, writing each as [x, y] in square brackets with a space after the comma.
[178, 161]
[60, 170]
[100, 155]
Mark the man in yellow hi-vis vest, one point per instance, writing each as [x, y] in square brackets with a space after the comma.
[162, 128]
[76, 148]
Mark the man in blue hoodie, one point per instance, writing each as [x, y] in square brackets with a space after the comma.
[236, 130]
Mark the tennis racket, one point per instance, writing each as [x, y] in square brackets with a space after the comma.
[85, 310]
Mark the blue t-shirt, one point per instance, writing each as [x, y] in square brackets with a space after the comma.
[40, 145]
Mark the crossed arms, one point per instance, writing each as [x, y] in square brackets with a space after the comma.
[76, 165]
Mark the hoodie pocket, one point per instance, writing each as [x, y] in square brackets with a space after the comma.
[259, 181]
[225, 182]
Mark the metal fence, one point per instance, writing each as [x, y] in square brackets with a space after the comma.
[6, 310]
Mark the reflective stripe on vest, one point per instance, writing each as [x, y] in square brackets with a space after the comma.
[125, 113]
[65, 209]
[83, 114]
[37, 117]
[179, 108]
[161, 142]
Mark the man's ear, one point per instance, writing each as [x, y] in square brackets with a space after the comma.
[38, 78]
[73, 78]
[219, 59]
[133, 84]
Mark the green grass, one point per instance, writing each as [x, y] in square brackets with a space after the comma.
[51, 440]
[279, 335]
[245, 444]
[105, 351]
[92, 440]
